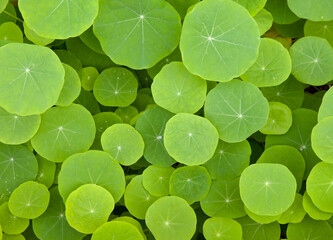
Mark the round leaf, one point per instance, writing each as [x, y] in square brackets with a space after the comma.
[33, 77]
[210, 44]
[190, 139]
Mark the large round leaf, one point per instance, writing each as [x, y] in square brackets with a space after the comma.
[267, 189]
[137, 33]
[171, 218]
[63, 132]
[118, 230]
[59, 18]
[312, 58]
[177, 90]
[237, 109]
[190, 139]
[211, 42]
[272, 67]
[31, 78]
[95, 167]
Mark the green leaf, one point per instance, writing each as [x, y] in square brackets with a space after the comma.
[267, 189]
[88, 207]
[59, 18]
[177, 90]
[117, 230]
[321, 139]
[210, 44]
[33, 78]
[222, 228]
[171, 218]
[190, 139]
[137, 33]
[241, 110]
[312, 9]
[63, 132]
[92, 167]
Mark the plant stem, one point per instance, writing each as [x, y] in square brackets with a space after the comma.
[11, 15]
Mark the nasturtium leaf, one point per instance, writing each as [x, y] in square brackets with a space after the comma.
[142, 101]
[29, 200]
[63, 132]
[34, 37]
[287, 156]
[171, 217]
[312, 9]
[313, 101]
[9, 31]
[253, 6]
[313, 211]
[257, 231]
[92, 167]
[319, 186]
[103, 120]
[118, 230]
[309, 229]
[32, 78]
[267, 189]
[264, 20]
[279, 119]
[17, 165]
[11, 224]
[177, 90]
[151, 126]
[72, 87]
[123, 143]
[190, 139]
[52, 224]
[229, 160]
[88, 76]
[299, 136]
[88, 207]
[46, 171]
[237, 109]
[191, 183]
[156, 180]
[137, 199]
[132, 221]
[280, 11]
[17, 129]
[326, 107]
[211, 45]
[222, 228]
[116, 87]
[260, 218]
[295, 213]
[272, 67]
[59, 19]
[127, 113]
[290, 93]
[137, 33]
[223, 200]
[322, 139]
[319, 29]
[312, 58]
[89, 39]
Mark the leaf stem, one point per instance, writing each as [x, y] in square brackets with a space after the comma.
[13, 16]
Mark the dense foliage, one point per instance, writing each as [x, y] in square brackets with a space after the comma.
[166, 119]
